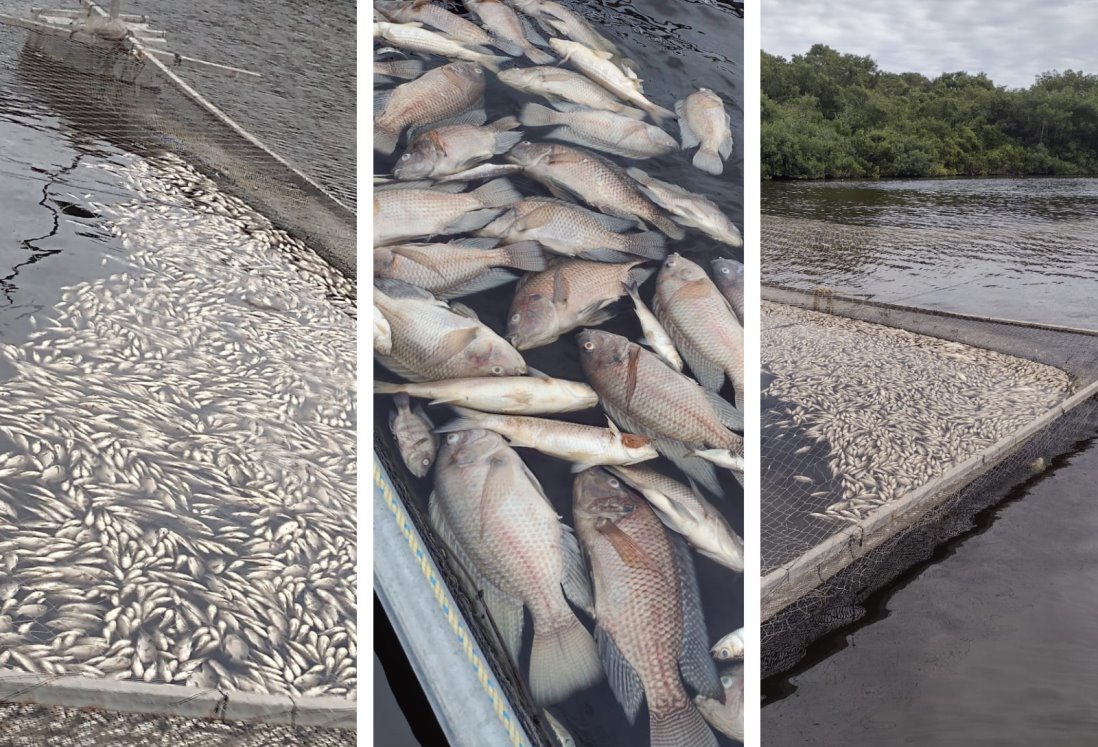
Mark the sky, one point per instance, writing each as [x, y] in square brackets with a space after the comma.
[1010, 40]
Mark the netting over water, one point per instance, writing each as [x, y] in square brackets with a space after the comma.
[884, 429]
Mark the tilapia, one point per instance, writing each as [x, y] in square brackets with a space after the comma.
[505, 24]
[596, 181]
[403, 69]
[583, 445]
[493, 514]
[570, 294]
[421, 11]
[730, 647]
[726, 717]
[415, 38]
[445, 151]
[645, 396]
[655, 336]
[458, 268]
[601, 130]
[689, 209]
[683, 510]
[521, 395]
[414, 435]
[554, 17]
[728, 275]
[431, 342]
[599, 67]
[558, 84]
[650, 626]
[383, 333]
[411, 213]
[567, 229]
[703, 122]
[451, 94]
[701, 322]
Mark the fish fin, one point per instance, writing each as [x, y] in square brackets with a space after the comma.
[463, 423]
[499, 193]
[539, 56]
[569, 107]
[503, 124]
[613, 427]
[385, 141]
[532, 34]
[596, 314]
[689, 137]
[462, 310]
[682, 728]
[506, 611]
[668, 226]
[472, 220]
[638, 275]
[725, 147]
[398, 368]
[394, 288]
[400, 399]
[405, 70]
[576, 582]
[475, 116]
[695, 663]
[505, 45]
[624, 681]
[648, 244]
[525, 255]
[563, 660]
[492, 62]
[475, 242]
[708, 161]
[387, 387]
[726, 412]
[657, 112]
[454, 342]
[615, 223]
[505, 141]
[631, 112]
[484, 171]
[605, 255]
[559, 192]
[491, 278]
[632, 554]
[422, 414]
[381, 101]
[561, 288]
[700, 470]
[536, 115]
[530, 370]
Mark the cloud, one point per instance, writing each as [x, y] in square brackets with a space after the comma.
[1012, 41]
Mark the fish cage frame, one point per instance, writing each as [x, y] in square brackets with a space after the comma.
[807, 597]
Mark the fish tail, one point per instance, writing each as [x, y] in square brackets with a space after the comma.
[492, 62]
[525, 255]
[563, 660]
[682, 728]
[708, 161]
[658, 113]
[497, 194]
[536, 115]
[385, 387]
[668, 226]
[650, 245]
[631, 112]
[385, 141]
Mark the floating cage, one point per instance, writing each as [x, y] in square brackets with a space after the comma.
[885, 429]
[108, 77]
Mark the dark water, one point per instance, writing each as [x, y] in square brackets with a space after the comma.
[678, 47]
[1013, 248]
[991, 642]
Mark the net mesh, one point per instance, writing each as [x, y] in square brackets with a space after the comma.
[885, 428]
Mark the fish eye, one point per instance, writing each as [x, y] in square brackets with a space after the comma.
[497, 370]
[614, 483]
[588, 345]
[725, 271]
[516, 318]
[452, 438]
[426, 461]
[406, 156]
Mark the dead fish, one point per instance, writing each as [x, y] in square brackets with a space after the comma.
[601, 130]
[523, 395]
[445, 151]
[655, 336]
[701, 322]
[689, 209]
[583, 445]
[599, 67]
[493, 514]
[682, 509]
[415, 38]
[704, 122]
[402, 214]
[569, 230]
[558, 84]
[457, 28]
[567, 295]
[596, 181]
[730, 647]
[650, 626]
[728, 275]
[451, 94]
[505, 24]
[458, 268]
[554, 17]
[414, 434]
[433, 342]
[402, 69]
[726, 717]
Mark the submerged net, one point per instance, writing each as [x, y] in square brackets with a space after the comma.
[884, 429]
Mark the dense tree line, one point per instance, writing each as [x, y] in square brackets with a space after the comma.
[831, 115]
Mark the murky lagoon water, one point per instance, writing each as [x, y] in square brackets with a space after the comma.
[678, 47]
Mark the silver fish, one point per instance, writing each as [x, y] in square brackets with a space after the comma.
[730, 647]
[599, 67]
[415, 38]
[558, 84]
[655, 336]
[689, 209]
[726, 717]
[601, 130]
[415, 436]
[435, 16]
[445, 151]
[505, 24]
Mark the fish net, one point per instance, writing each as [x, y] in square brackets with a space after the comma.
[885, 429]
[231, 242]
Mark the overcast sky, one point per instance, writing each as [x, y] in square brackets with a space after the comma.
[1010, 40]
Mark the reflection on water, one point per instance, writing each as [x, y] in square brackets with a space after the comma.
[1012, 248]
[678, 47]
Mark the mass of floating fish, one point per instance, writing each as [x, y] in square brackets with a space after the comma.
[177, 456]
[893, 409]
[449, 223]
